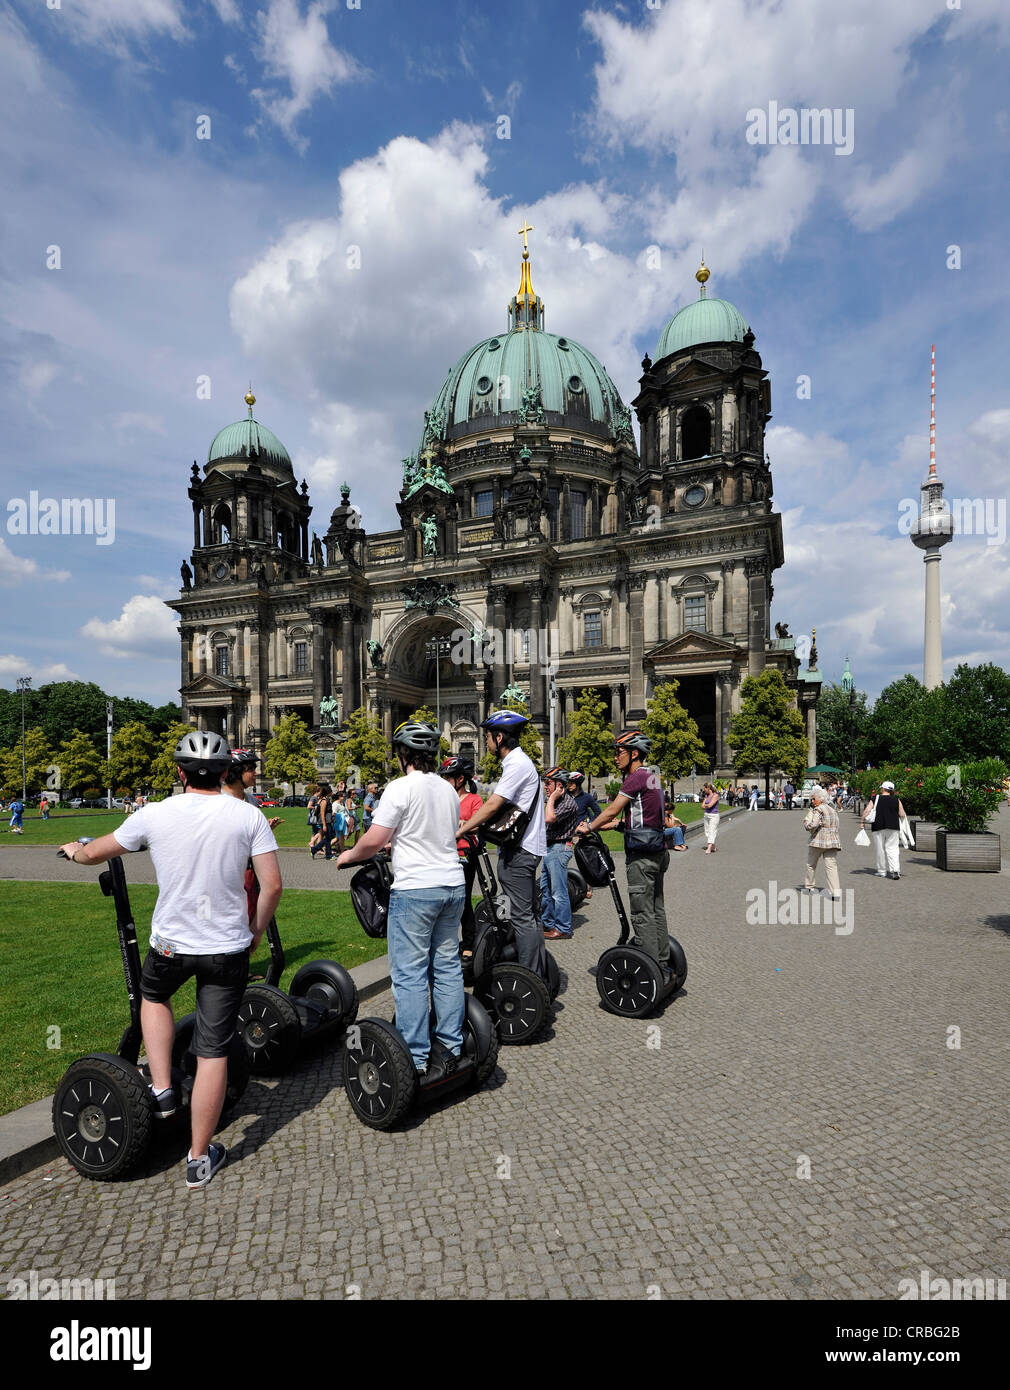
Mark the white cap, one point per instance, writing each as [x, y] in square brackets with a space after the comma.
[887, 786]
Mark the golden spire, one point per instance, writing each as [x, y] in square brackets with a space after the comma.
[250, 399]
[702, 274]
[526, 309]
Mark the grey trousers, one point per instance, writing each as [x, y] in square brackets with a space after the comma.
[517, 870]
[645, 898]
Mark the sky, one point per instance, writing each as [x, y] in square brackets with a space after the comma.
[322, 197]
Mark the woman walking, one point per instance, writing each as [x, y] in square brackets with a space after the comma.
[822, 823]
[710, 806]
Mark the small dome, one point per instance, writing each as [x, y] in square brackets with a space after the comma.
[484, 390]
[702, 321]
[250, 441]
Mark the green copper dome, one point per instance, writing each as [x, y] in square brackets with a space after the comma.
[703, 321]
[485, 389]
[248, 440]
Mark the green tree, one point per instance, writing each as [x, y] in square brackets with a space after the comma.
[907, 724]
[39, 757]
[426, 715]
[290, 755]
[835, 725]
[79, 762]
[363, 748]
[589, 744]
[768, 732]
[976, 724]
[133, 751]
[164, 774]
[676, 747]
[73, 705]
[530, 742]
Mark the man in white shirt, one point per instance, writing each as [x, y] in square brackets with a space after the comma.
[519, 785]
[200, 845]
[419, 812]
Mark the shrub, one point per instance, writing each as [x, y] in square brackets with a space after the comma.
[964, 808]
[90, 793]
[611, 789]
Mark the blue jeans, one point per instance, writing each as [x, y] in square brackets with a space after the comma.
[423, 939]
[555, 905]
[676, 834]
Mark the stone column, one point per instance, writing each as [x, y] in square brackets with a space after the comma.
[318, 684]
[636, 634]
[677, 623]
[651, 610]
[387, 721]
[498, 594]
[756, 569]
[538, 659]
[615, 708]
[349, 698]
[728, 620]
[811, 735]
[662, 589]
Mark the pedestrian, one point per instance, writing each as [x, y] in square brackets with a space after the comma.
[825, 843]
[44, 808]
[420, 813]
[240, 778]
[459, 774]
[710, 808]
[561, 816]
[314, 823]
[350, 818]
[646, 857]
[587, 804]
[885, 814]
[754, 797]
[673, 832]
[17, 808]
[518, 787]
[790, 793]
[368, 805]
[200, 844]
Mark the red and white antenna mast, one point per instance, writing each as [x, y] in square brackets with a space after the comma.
[932, 410]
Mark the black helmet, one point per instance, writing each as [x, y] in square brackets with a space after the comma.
[202, 751]
[633, 740]
[417, 737]
[456, 767]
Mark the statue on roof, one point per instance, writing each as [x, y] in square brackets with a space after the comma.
[317, 551]
[429, 533]
[531, 408]
[187, 576]
[409, 470]
[375, 654]
[622, 423]
[434, 423]
[327, 711]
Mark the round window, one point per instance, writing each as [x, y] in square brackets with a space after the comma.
[484, 384]
[493, 345]
[694, 496]
[563, 344]
[222, 571]
[575, 383]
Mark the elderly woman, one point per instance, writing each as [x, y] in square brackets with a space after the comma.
[822, 821]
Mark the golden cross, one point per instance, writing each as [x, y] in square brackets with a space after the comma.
[522, 232]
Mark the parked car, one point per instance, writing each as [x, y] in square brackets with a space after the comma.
[295, 801]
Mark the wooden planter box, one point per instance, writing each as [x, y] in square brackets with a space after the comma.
[978, 854]
[924, 834]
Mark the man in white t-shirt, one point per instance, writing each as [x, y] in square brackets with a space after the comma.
[519, 785]
[420, 813]
[200, 845]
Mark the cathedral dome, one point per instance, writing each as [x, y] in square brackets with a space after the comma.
[249, 441]
[703, 321]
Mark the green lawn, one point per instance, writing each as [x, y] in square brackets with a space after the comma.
[62, 969]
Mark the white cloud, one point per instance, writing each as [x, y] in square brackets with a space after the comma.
[296, 49]
[228, 11]
[13, 666]
[113, 21]
[144, 629]
[19, 569]
[34, 377]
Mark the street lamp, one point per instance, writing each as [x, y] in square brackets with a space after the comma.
[24, 684]
[435, 649]
[848, 683]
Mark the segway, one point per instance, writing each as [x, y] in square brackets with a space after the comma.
[630, 982]
[380, 1079]
[577, 887]
[519, 997]
[274, 1027]
[103, 1110]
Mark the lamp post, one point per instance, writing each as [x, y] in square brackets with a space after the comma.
[848, 683]
[24, 684]
[436, 648]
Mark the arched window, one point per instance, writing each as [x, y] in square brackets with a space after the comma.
[695, 433]
[222, 524]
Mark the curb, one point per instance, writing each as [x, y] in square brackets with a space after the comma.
[26, 1135]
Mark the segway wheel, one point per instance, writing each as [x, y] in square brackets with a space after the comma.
[327, 983]
[481, 1034]
[102, 1116]
[678, 964]
[270, 1030]
[520, 1000]
[629, 981]
[553, 976]
[379, 1075]
[184, 1058]
[577, 889]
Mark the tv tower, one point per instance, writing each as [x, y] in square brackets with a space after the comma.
[934, 528]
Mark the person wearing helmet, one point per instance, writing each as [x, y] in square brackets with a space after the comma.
[646, 859]
[241, 777]
[587, 804]
[419, 812]
[200, 844]
[519, 785]
[561, 816]
[460, 773]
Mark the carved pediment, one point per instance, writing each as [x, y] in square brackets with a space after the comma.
[693, 644]
[699, 368]
[207, 684]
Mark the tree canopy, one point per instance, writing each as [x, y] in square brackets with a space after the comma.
[768, 731]
[589, 744]
[290, 755]
[676, 745]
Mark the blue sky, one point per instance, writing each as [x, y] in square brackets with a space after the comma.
[379, 127]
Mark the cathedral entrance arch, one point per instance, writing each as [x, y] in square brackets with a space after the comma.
[448, 682]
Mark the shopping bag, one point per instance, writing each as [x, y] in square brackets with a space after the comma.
[863, 839]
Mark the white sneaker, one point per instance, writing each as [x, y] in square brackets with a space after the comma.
[880, 874]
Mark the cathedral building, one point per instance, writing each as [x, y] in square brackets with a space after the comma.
[532, 532]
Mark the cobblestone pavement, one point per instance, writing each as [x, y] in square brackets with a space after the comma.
[632, 1169]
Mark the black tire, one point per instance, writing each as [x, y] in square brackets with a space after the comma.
[102, 1116]
[379, 1075]
[678, 964]
[553, 976]
[629, 981]
[482, 1028]
[577, 888]
[327, 983]
[184, 1058]
[270, 1029]
[486, 951]
[520, 1001]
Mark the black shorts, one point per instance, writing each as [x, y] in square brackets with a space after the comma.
[220, 985]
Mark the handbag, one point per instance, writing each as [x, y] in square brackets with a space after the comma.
[873, 812]
[370, 889]
[862, 839]
[644, 840]
[509, 826]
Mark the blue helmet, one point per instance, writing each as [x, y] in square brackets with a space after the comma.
[505, 721]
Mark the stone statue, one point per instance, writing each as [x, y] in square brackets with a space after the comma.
[409, 471]
[375, 654]
[513, 693]
[782, 630]
[531, 407]
[327, 711]
[187, 576]
[622, 423]
[429, 532]
[317, 551]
